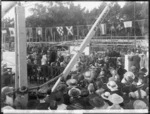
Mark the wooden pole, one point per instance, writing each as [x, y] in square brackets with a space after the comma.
[21, 46]
[85, 42]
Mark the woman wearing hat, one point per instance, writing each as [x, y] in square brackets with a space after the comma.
[7, 97]
[112, 87]
[116, 100]
[127, 84]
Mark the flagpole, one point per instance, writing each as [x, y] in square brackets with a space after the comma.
[134, 24]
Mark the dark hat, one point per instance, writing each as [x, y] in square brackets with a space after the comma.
[74, 92]
[59, 97]
[75, 106]
[84, 93]
[97, 102]
[23, 90]
[62, 87]
[32, 104]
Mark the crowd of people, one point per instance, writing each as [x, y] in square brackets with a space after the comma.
[99, 81]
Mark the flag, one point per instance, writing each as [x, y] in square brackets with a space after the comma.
[56, 35]
[29, 32]
[69, 30]
[143, 26]
[60, 31]
[4, 31]
[12, 32]
[103, 29]
[128, 24]
[39, 31]
[48, 34]
[85, 30]
[39, 34]
[119, 27]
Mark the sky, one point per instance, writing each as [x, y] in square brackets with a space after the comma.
[88, 5]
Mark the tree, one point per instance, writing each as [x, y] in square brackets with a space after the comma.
[131, 11]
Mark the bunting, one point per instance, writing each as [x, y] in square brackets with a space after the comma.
[39, 34]
[29, 33]
[103, 29]
[48, 34]
[12, 32]
[60, 30]
[128, 24]
[70, 30]
[141, 24]
[4, 31]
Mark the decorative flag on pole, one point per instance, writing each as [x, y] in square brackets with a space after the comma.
[70, 30]
[29, 32]
[4, 31]
[141, 24]
[103, 29]
[48, 34]
[39, 33]
[12, 32]
[128, 24]
[60, 30]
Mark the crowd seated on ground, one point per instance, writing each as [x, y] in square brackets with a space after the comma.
[99, 82]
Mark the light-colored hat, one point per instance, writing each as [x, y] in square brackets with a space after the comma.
[91, 88]
[115, 98]
[7, 108]
[115, 106]
[128, 76]
[87, 75]
[5, 90]
[105, 95]
[143, 94]
[99, 91]
[139, 104]
[72, 82]
[74, 92]
[112, 85]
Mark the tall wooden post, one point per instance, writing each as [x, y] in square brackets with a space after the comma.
[21, 46]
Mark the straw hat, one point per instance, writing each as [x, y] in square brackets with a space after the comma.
[128, 77]
[115, 106]
[115, 98]
[112, 85]
[72, 82]
[105, 95]
[143, 94]
[139, 104]
[5, 90]
[7, 108]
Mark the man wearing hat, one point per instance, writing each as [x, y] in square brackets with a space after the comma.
[75, 100]
[120, 70]
[112, 87]
[20, 101]
[71, 83]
